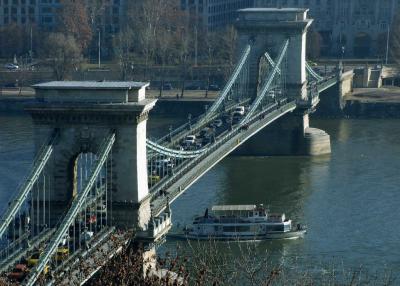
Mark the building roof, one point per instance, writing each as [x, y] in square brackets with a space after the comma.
[234, 208]
[91, 85]
[277, 10]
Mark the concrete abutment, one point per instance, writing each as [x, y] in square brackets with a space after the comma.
[288, 136]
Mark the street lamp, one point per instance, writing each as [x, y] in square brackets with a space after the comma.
[189, 119]
[387, 44]
[170, 133]
[99, 47]
[343, 50]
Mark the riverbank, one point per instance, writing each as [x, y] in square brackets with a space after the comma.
[171, 101]
[362, 103]
[373, 103]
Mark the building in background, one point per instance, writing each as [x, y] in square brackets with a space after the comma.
[350, 28]
[43, 13]
[213, 14]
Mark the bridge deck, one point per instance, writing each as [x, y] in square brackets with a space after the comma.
[191, 172]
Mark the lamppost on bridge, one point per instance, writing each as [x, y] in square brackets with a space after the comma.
[189, 119]
[170, 133]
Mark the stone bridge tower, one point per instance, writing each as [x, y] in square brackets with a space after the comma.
[84, 113]
[266, 29]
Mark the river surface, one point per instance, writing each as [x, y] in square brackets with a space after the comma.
[349, 200]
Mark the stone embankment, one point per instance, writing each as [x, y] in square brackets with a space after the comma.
[373, 103]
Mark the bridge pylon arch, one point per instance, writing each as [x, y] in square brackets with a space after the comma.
[84, 114]
[266, 29]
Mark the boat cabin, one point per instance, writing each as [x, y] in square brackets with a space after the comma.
[243, 211]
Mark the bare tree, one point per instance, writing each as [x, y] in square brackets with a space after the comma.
[74, 21]
[123, 45]
[64, 53]
[146, 22]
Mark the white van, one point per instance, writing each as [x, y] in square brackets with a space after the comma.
[239, 110]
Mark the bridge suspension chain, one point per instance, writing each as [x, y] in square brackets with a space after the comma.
[313, 73]
[267, 85]
[76, 206]
[172, 152]
[227, 88]
[271, 61]
[40, 162]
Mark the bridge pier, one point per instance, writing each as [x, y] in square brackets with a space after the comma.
[289, 135]
[84, 113]
[266, 29]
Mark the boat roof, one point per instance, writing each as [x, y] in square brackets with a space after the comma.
[234, 208]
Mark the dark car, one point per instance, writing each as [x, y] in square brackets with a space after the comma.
[167, 86]
[206, 132]
[213, 87]
[19, 272]
[217, 123]
[193, 87]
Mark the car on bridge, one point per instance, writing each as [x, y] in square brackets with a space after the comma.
[189, 140]
[34, 258]
[206, 132]
[239, 110]
[217, 123]
[153, 179]
[19, 272]
[62, 253]
[86, 235]
[236, 118]
[166, 163]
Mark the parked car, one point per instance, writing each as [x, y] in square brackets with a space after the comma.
[213, 87]
[193, 87]
[167, 86]
[239, 109]
[11, 66]
[19, 272]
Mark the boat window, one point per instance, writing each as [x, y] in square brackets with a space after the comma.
[260, 213]
[229, 228]
[276, 227]
[238, 228]
[250, 214]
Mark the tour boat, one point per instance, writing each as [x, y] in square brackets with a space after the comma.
[241, 222]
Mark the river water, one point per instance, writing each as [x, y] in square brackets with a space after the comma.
[349, 200]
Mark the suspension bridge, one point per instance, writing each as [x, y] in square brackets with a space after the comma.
[98, 182]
